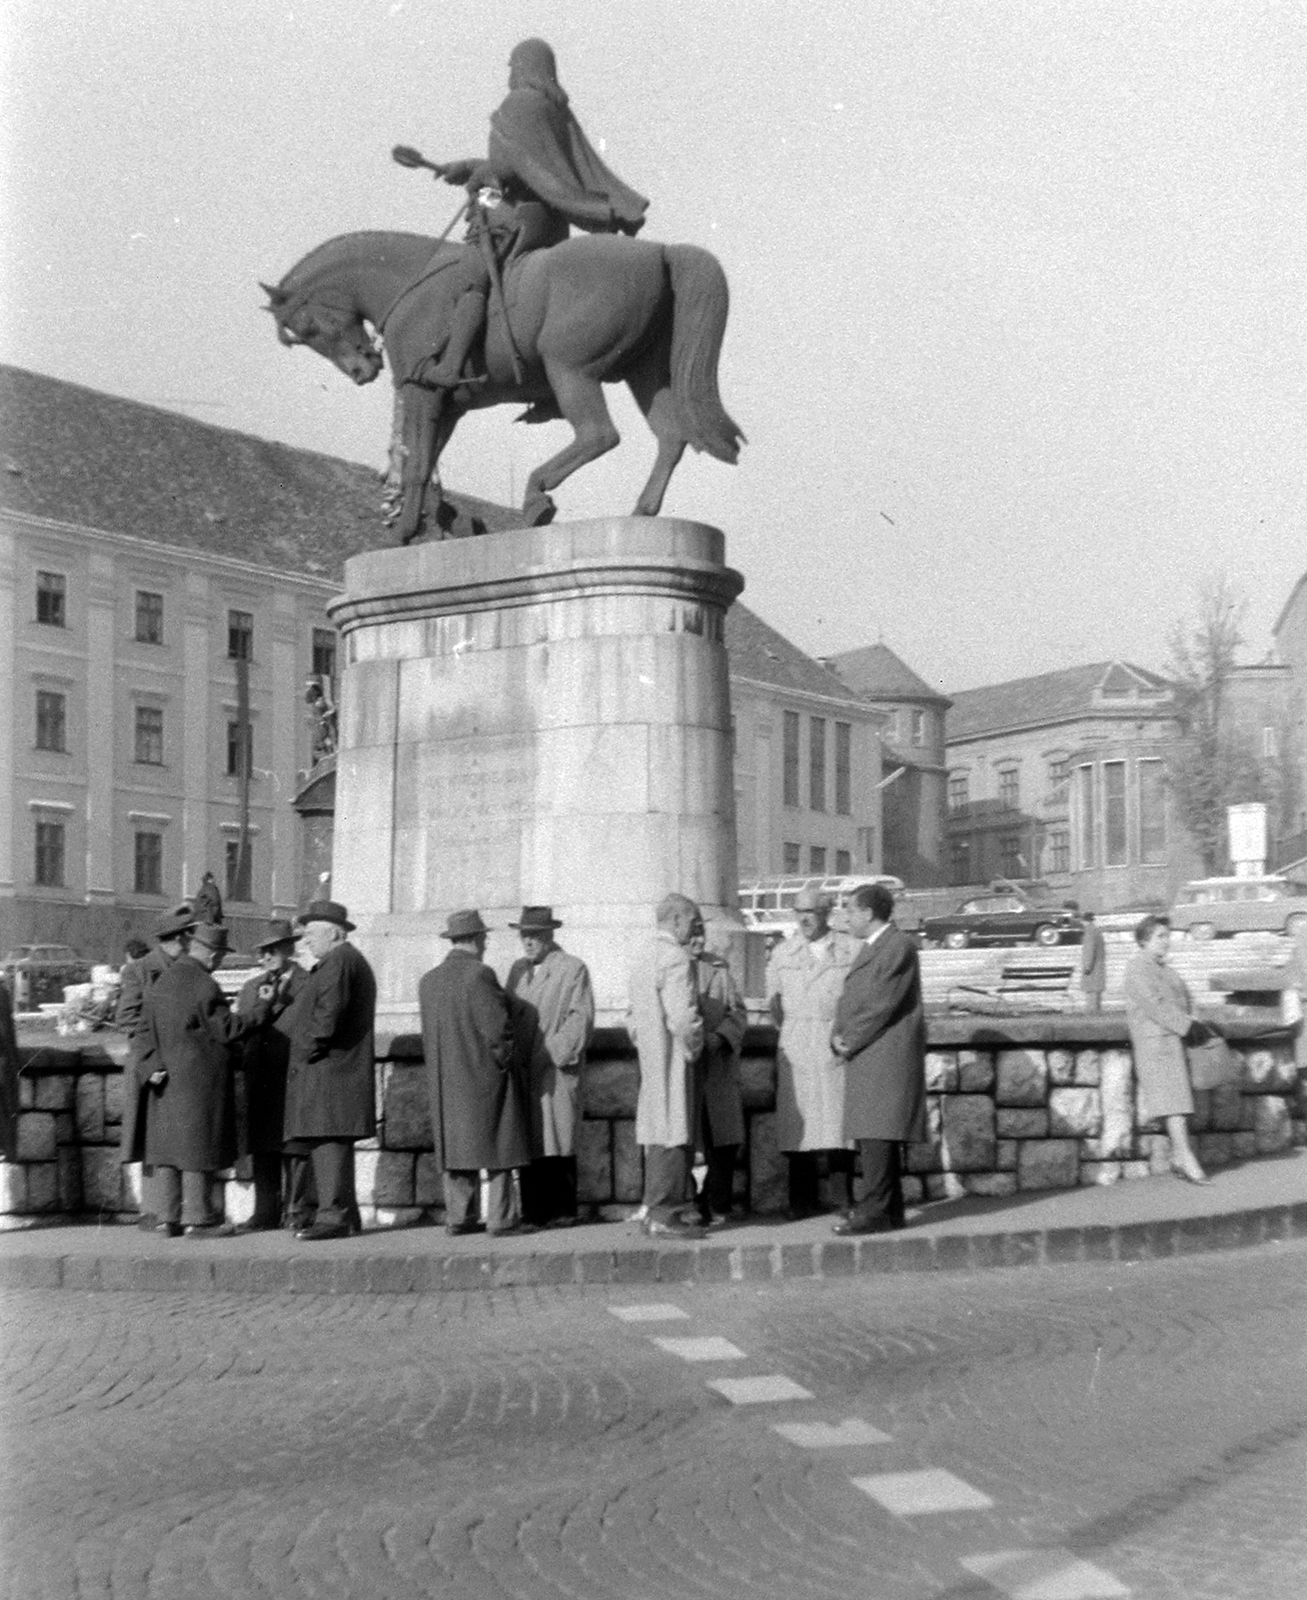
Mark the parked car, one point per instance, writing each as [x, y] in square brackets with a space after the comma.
[1218, 908]
[37, 974]
[1003, 919]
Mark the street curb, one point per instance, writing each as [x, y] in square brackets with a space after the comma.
[708, 1262]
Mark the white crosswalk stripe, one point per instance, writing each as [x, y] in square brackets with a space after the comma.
[1044, 1575]
[915, 1494]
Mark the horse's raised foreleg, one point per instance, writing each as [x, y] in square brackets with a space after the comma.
[581, 401]
[651, 386]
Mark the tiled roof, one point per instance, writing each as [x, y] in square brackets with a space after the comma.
[876, 672]
[1101, 688]
[758, 652]
[1289, 604]
[98, 461]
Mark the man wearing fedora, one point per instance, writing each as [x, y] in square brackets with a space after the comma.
[556, 1013]
[329, 1077]
[475, 1081]
[172, 934]
[190, 1127]
[261, 1083]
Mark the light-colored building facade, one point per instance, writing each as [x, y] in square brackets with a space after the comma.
[1062, 777]
[913, 808]
[1290, 634]
[808, 759]
[162, 603]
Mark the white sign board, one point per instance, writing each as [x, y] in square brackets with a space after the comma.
[1248, 839]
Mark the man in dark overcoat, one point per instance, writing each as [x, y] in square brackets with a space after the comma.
[172, 935]
[261, 1082]
[330, 1094]
[880, 1031]
[190, 1126]
[476, 1080]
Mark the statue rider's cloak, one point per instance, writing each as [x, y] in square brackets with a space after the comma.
[535, 136]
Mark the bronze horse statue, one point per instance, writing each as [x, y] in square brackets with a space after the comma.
[594, 309]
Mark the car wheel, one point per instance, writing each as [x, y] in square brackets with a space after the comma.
[1046, 934]
[1203, 931]
[957, 940]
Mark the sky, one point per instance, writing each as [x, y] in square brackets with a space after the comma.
[1016, 329]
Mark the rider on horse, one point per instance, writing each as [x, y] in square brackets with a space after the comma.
[541, 174]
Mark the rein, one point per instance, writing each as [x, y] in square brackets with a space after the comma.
[428, 272]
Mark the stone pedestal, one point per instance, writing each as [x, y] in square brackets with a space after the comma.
[534, 717]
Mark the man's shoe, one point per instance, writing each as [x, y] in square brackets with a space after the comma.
[673, 1228]
[852, 1223]
[562, 1222]
[169, 1230]
[147, 1222]
[209, 1230]
[324, 1230]
[457, 1229]
[258, 1225]
[513, 1229]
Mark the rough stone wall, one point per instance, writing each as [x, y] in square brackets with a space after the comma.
[1002, 1119]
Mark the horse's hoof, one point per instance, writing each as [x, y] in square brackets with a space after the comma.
[539, 513]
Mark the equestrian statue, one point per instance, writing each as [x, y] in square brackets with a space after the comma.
[521, 311]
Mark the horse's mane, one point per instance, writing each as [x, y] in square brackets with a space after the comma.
[330, 246]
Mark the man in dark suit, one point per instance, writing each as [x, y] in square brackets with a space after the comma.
[475, 1079]
[172, 936]
[261, 1083]
[329, 1081]
[190, 1125]
[880, 1030]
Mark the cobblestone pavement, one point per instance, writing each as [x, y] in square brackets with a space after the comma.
[1139, 1430]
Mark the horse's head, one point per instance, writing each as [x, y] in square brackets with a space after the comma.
[334, 331]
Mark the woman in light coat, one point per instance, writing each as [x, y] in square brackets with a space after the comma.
[1160, 1017]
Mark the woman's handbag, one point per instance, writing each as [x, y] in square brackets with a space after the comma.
[1212, 1063]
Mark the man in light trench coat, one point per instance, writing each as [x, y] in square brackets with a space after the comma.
[555, 1013]
[805, 978]
[666, 1028]
[880, 1031]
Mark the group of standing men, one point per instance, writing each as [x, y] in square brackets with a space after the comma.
[286, 1078]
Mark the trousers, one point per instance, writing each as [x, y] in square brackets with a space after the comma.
[327, 1167]
[461, 1192]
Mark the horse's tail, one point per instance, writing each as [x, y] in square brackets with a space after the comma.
[700, 301]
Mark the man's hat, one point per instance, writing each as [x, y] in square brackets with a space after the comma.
[811, 900]
[178, 921]
[463, 924]
[325, 911]
[279, 932]
[212, 935]
[536, 919]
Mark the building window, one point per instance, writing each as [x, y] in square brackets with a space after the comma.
[1009, 854]
[149, 736]
[959, 791]
[1087, 820]
[240, 753]
[51, 720]
[960, 860]
[817, 763]
[867, 844]
[790, 759]
[324, 652]
[890, 732]
[240, 636]
[52, 599]
[149, 617]
[50, 855]
[1059, 851]
[790, 859]
[817, 859]
[148, 877]
[1114, 823]
[843, 862]
[1152, 812]
[1059, 776]
[843, 769]
[1009, 789]
[1270, 744]
[918, 727]
[238, 872]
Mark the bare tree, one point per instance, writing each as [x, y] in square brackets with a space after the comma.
[1216, 765]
